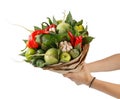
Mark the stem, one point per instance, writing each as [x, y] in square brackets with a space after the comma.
[64, 17]
[38, 55]
[23, 27]
[24, 49]
[45, 23]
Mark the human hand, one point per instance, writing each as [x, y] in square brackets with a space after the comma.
[82, 76]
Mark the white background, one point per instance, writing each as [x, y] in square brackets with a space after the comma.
[19, 80]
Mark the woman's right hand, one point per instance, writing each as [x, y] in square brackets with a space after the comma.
[82, 76]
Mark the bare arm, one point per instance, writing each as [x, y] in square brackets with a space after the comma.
[84, 77]
[108, 88]
[107, 64]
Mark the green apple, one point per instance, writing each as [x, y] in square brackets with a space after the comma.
[51, 56]
[63, 27]
[65, 57]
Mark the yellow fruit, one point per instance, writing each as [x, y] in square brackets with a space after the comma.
[79, 28]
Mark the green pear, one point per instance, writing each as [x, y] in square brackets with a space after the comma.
[51, 56]
[65, 57]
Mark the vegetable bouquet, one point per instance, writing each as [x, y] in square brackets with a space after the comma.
[58, 45]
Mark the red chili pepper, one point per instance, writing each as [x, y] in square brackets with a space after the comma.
[31, 41]
[72, 38]
[78, 40]
[37, 32]
[75, 40]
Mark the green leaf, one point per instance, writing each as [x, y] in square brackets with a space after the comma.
[40, 63]
[84, 33]
[54, 21]
[24, 49]
[36, 28]
[86, 28]
[38, 40]
[78, 47]
[23, 53]
[73, 31]
[28, 61]
[62, 37]
[69, 18]
[79, 22]
[25, 41]
[73, 23]
[87, 40]
[49, 20]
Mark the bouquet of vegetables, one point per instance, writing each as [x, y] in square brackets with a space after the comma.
[58, 45]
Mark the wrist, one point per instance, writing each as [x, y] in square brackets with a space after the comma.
[88, 80]
[92, 82]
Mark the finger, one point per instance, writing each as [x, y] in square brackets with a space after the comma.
[67, 75]
[78, 83]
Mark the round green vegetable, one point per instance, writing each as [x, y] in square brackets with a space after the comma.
[40, 63]
[29, 52]
[74, 53]
[63, 27]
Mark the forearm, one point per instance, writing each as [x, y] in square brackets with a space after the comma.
[106, 87]
[106, 64]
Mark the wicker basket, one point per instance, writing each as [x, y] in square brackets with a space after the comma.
[73, 65]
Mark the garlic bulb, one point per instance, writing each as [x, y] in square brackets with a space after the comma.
[65, 46]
